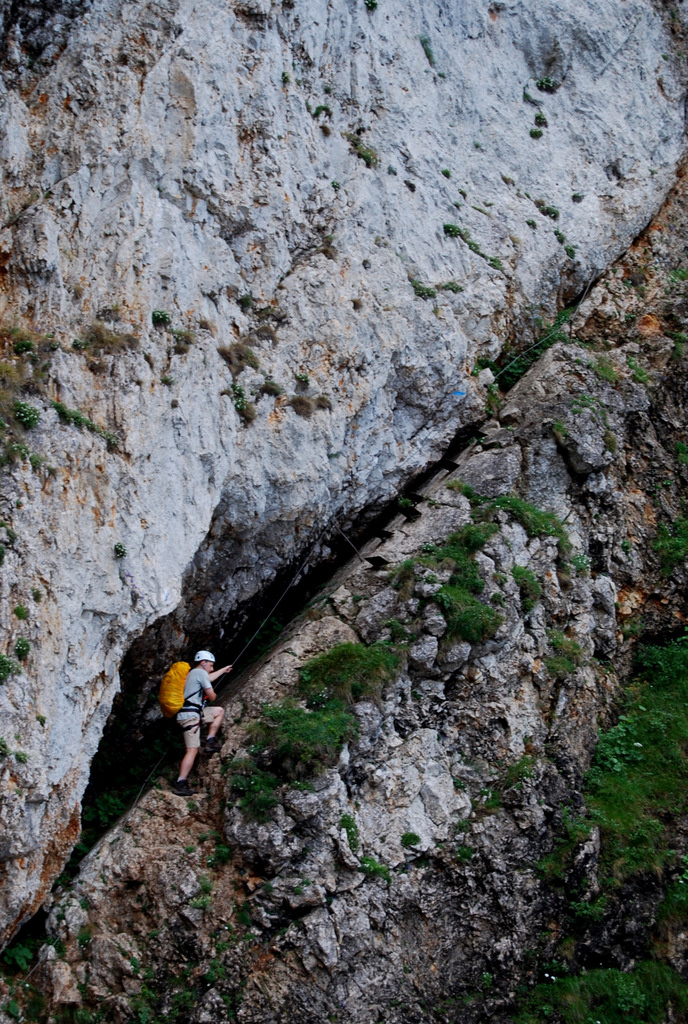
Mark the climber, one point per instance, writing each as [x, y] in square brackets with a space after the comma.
[198, 689]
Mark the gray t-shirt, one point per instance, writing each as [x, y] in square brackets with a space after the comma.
[197, 681]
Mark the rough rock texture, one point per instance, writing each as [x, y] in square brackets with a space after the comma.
[183, 157]
[474, 748]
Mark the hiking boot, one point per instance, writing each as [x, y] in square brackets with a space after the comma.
[212, 745]
[182, 788]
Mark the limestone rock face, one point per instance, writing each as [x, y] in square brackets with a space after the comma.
[272, 178]
[403, 875]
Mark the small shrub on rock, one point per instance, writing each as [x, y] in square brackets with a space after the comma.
[238, 357]
[348, 672]
[26, 414]
[22, 648]
[372, 868]
[467, 618]
[302, 741]
[351, 828]
[8, 667]
[672, 545]
[528, 585]
[255, 788]
[302, 405]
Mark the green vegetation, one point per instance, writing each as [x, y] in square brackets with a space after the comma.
[399, 633]
[636, 792]
[372, 868]
[348, 673]
[581, 563]
[76, 418]
[238, 357]
[22, 648]
[8, 667]
[271, 387]
[467, 617]
[255, 788]
[222, 855]
[641, 996]
[409, 840]
[246, 409]
[365, 153]
[536, 133]
[302, 741]
[27, 415]
[512, 365]
[454, 231]
[120, 550]
[672, 545]
[547, 84]
[568, 655]
[423, 291]
[605, 370]
[528, 585]
[351, 828]
[160, 318]
[640, 376]
[638, 783]
[99, 338]
[21, 611]
[547, 210]
[519, 771]
[427, 50]
[534, 521]
[292, 741]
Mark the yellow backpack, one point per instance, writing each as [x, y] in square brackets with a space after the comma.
[171, 694]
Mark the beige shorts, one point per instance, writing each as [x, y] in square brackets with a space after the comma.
[192, 736]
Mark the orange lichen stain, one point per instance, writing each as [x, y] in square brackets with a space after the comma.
[286, 198]
[629, 600]
[649, 324]
[493, 14]
[67, 102]
[650, 514]
[43, 98]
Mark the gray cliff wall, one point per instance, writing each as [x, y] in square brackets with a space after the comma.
[169, 157]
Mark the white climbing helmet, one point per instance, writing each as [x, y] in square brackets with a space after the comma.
[205, 656]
